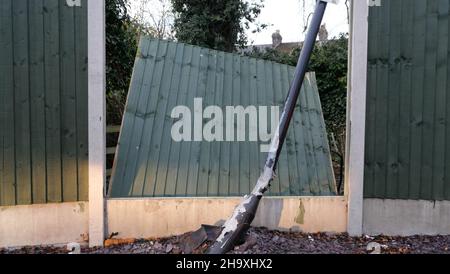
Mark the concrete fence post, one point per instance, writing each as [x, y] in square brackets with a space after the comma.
[97, 123]
[357, 116]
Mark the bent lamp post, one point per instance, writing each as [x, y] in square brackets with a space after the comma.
[240, 221]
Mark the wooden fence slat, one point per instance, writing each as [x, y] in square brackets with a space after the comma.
[68, 105]
[381, 133]
[225, 147]
[81, 79]
[7, 115]
[254, 148]
[393, 124]
[322, 148]
[22, 102]
[195, 151]
[146, 118]
[440, 104]
[417, 98]
[208, 100]
[176, 147]
[130, 111]
[53, 100]
[372, 84]
[37, 101]
[235, 160]
[405, 99]
[157, 118]
[165, 147]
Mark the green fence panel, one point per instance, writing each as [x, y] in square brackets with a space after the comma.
[408, 102]
[43, 102]
[149, 163]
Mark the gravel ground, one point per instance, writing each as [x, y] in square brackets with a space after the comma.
[263, 241]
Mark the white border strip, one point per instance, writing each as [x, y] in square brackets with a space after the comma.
[357, 115]
[97, 133]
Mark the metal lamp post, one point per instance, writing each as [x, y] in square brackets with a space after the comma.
[239, 223]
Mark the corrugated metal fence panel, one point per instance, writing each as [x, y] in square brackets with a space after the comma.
[408, 107]
[167, 74]
[43, 102]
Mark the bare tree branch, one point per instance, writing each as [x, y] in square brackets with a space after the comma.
[155, 18]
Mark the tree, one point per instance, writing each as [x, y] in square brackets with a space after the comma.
[215, 24]
[121, 46]
[155, 18]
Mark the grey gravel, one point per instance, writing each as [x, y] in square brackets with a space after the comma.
[264, 241]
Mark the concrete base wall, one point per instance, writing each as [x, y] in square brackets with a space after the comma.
[54, 224]
[44, 224]
[146, 218]
[406, 217]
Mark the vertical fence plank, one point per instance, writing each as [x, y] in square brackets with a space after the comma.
[290, 146]
[144, 55]
[394, 63]
[176, 170]
[300, 183]
[244, 147]
[155, 116]
[447, 127]
[417, 98]
[167, 145]
[172, 187]
[81, 79]
[235, 161]
[208, 100]
[214, 176]
[438, 180]
[185, 162]
[37, 101]
[224, 177]
[405, 98]
[22, 102]
[429, 89]
[312, 174]
[68, 104]
[261, 101]
[52, 100]
[144, 121]
[372, 87]
[168, 99]
[322, 147]
[269, 98]
[283, 166]
[382, 103]
[7, 115]
[254, 150]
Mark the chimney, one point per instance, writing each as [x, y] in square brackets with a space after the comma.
[277, 39]
[323, 33]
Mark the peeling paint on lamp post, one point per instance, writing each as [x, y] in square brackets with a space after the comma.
[73, 3]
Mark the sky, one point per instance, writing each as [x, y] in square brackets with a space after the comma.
[287, 16]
